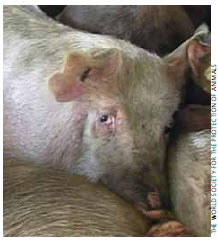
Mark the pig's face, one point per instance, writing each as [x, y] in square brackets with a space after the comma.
[125, 133]
[129, 104]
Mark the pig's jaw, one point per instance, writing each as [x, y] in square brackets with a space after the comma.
[136, 183]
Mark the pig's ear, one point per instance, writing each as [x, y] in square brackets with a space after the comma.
[194, 54]
[82, 72]
[199, 55]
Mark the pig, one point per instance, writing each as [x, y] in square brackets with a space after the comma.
[189, 161]
[42, 201]
[167, 26]
[189, 180]
[158, 28]
[91, 104]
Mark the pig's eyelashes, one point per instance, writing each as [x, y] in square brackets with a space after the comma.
[85, 74]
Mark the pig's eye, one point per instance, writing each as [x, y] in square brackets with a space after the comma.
[104, 118]
[105, 124]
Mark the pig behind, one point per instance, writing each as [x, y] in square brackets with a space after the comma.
[41, 201]
[158, 28]
[189, 179]
[90, 104]
[189, 159]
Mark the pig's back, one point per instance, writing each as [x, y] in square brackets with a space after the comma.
[53, 203]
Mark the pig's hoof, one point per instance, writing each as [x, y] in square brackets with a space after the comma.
[153, 200]
[170, 229]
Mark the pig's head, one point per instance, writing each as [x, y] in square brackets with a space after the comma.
[127, 102]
